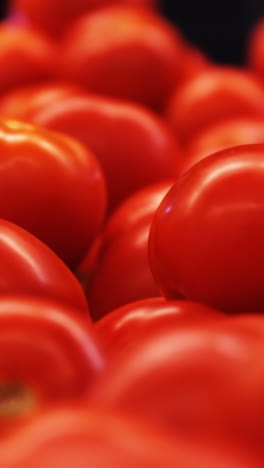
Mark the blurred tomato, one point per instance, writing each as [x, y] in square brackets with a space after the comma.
[215, 94]
[123, 52]
[52, 186]
[255, 48]
[48, 353]
[29, 267]
[123, 327]
[134, 146]
[52, 17]
[25, 57]
[225, 134]
[207, 236]
[194, 61]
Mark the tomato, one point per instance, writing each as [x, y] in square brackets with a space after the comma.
[53, 17]
[207, 236]
[123, 52]
[134, 146]
[215, 94]
[124, 326]
[48, 353]
[80, 437]
[194, 61]
[25, 57]
[225, 134]
[255, 48]
[52, 186]
[204, 381]
[29, 267]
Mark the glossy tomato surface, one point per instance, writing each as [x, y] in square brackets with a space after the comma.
[123, 52]
[124, 326]
[53, 17]
[225, 134]
[207, 236]
[47, 349]
[215, 94]
[134, 147]
[25, 57]
[52, 186]
[29, 267]
[72, 436]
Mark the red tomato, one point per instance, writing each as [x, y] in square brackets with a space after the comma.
[124, 326]
[25, 57]
[52, 186]
[29, 267]
[123, 52]
[213, 95]
[207, 237]
[194, 61]
[255, 46]
[79, 437]
[134, 146]
[53, 17]
[48, 353]
[204, 381]
[234, 132]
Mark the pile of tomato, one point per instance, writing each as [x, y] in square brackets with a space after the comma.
[131, 242]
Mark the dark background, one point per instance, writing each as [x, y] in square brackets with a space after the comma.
[220, 28]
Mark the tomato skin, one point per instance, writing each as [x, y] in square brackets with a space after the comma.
[54, 17]
[123, 52]
[215, 94]
[29, 267]
[225, 134]
[49, 347]
[206, 240]
[93, 436]
[134, 147]
[55, 175]
[124, 326]
[255, 48]
[25, 57]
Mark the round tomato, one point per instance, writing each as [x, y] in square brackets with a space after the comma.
[124, 326]
[215, 94]
[123, 52]
[48, 353]
[225, 134]
[52, 186]
[25, 57]
[207, 236]
[29, 267]
[255, 48]
[134, 146]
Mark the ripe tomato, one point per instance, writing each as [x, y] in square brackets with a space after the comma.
[29, 267]
[124, 326]
[123, 52]
[53, 17]
[255, 48]
[215, 94]
[25, 57]
[48, 353]
[207, 236]
[134, 146]
[194, 61]
[52, 186]
[225, 134]
[94, 437]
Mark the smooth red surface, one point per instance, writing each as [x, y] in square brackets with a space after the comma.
[52, 186]
[207, 236]
[225, 134]
[52, 17]
[48, 347]
[29, 267]
[215, 94]
[81, 437]
[25, 57]
[134, 146]
[255, 48]
[123, 52]
[123, 327]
